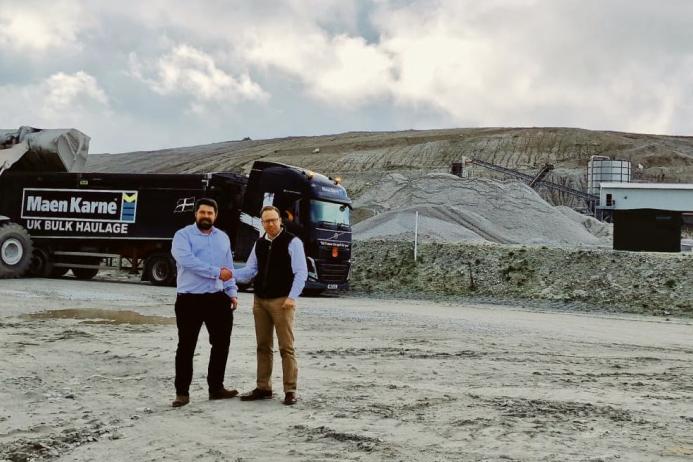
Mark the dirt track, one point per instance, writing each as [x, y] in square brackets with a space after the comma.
[379, 380]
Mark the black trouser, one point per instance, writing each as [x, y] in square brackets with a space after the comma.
[214, 310]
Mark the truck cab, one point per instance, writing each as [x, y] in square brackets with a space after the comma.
[314, 207]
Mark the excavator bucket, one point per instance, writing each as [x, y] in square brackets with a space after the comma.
[35, 150]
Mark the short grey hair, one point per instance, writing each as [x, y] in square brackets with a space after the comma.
[267, 208]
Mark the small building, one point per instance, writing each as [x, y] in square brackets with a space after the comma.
[647, 216]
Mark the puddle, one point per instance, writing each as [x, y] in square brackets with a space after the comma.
[96, 316]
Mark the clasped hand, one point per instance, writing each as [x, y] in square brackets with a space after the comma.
[225, 274]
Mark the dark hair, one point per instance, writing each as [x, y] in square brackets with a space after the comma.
[206, 201]
[270, 207]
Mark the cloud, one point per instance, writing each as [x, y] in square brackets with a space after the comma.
[193, 73]
[62, 92]
[272, 68]
[42, 26]
[338, 70]
[514, 62]
[539, 63]
[59, 100]
[357, 72]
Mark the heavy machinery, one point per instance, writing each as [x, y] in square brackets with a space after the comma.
[27, 150]
[31, 149]
[55, 221]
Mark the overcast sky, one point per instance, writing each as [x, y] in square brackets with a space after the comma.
[150, 74]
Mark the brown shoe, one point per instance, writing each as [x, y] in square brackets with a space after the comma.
[223, 394]
[257, 394]
[181, 400]
[290, 398]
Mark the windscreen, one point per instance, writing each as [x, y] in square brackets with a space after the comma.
[329, 212]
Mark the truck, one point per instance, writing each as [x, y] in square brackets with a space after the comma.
[55, 222]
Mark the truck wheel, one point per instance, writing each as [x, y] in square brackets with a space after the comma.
[41, 263]
[59, 272]
[161, 270]
[85, 273]
[15, 251]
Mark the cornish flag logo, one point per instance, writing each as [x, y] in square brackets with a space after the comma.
[129, 208]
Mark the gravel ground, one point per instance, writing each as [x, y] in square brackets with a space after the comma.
[584, 279]
[87, 375]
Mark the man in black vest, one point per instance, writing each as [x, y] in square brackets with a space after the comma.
[278, 264]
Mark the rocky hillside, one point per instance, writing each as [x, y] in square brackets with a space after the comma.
[363, 158]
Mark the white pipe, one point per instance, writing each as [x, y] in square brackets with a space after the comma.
[416, 235]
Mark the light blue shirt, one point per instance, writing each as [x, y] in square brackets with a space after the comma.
[298, 266]
[199, 259]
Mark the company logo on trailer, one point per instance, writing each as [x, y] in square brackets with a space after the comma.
[80, 204]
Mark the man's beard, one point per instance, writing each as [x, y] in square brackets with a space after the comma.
[204, 224]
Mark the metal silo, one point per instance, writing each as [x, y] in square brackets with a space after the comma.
[601, 169]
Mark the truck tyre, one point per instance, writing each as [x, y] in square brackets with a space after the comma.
[85, 274]
[16, 249]
[41, 263]
[161, 270]
[59, 271]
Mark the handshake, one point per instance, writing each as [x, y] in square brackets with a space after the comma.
[225, 274]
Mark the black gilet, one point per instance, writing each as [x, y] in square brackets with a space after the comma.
[275, 276]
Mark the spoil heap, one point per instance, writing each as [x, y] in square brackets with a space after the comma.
[453, 209]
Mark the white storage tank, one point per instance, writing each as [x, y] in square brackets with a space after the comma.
[601, 169]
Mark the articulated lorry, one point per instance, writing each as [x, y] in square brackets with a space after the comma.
[55, 222]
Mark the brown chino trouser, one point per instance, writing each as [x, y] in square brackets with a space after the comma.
[269, 315]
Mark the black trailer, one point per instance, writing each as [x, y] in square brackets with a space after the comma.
[54, 222]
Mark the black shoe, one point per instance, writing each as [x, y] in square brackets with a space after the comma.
[223, 394]
[257, 394]
[290, 398]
